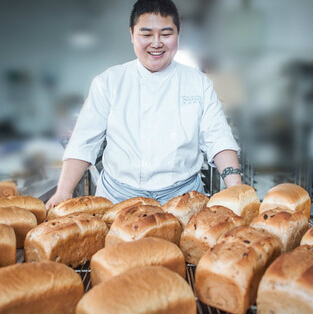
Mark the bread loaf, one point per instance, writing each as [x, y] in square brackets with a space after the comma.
[241, 199]
[153, 290]
[144, 221]
[116, 259]
[8, 188]
[33, 204]
[97, 205]
[288, 227]
[287, 285]
[185, 206]
[36, 288]
[116, 209]
[7, 245]
[228, 275]
[71, 240]
[20, 219]
[287, 196]
[307, 238]
[204, 229]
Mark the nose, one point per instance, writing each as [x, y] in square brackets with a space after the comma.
[156, 42]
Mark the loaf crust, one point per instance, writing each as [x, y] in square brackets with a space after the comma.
[8, 188]
[227, 276]
[287, 196]
[204, 229]
[20, 219]
[34, 288]
[144, 221]
[185, 206]
[90, 204]
[153, 290]
[7, 245]
[287, 285]
[116, 209]
[33, 204]
[307, 238]
[288, 227]
[241, 199]
[116, 259]
[71, 240]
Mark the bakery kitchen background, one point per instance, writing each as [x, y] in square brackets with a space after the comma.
[258, 54]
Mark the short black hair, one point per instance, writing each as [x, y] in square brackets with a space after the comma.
[162, 7]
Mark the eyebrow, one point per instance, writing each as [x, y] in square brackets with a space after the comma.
[146, 29]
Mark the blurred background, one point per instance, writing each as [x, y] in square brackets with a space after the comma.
[259, 54]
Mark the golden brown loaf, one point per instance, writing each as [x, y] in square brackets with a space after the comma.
[185, 206]
[20, 219]
[8, 188]
[33, 204]
[288, 227]
[97, 205]
[116, 259]
[227, 276]
[204, 229]
[287, 285]
[307, 239]
[144, 221]
[287, 196]
[7, 245]
[36, 288]
[71, 240]
[152, 289]
[241, 199]
[116, 209]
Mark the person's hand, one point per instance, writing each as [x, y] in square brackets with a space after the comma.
[56, 198]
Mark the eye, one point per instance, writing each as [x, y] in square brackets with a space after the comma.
[166, 35]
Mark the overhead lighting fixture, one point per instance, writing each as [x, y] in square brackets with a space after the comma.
[83, 40]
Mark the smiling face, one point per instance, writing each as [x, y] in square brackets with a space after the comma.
[155, 40]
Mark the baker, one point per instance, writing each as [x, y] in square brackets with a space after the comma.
[157, 116]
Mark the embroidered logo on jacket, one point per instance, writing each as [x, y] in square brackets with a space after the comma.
[191, 100]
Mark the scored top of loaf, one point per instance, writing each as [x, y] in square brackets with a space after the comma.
[210, 223]
[186, 205]
[241, 199]
[87, 204]
[186, 201]
[258, 238]
[280, 219]
[66, 223]
[116, 209]
[135, 219]
[287, 196]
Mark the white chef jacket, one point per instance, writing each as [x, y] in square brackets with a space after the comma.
[156, 124]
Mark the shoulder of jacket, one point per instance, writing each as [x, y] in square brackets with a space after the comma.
[117, 70]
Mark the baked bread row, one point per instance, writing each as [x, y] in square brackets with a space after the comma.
[246, 266]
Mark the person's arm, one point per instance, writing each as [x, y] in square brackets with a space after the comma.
[72, 171]
[227, 165]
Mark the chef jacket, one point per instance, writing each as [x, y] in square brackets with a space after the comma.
[157, 125]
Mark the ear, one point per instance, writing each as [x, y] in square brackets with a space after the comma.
[131, 34]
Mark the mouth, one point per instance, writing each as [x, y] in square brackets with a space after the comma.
[156, 53]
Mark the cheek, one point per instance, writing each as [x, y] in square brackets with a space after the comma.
[172, 44]
[141, 42]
